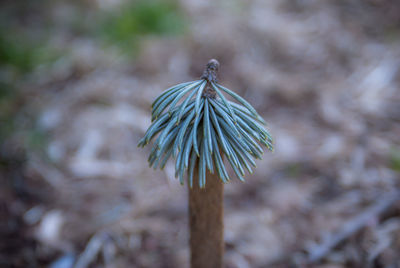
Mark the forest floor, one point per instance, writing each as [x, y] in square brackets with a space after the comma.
[77, 85]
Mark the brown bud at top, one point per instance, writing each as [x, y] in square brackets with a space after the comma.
[210, 73]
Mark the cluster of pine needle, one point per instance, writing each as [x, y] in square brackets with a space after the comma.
[202, 127]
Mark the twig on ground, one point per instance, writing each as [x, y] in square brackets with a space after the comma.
[91, 251]
[317, 252]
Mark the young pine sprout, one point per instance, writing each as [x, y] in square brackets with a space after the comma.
[199, 127]
[196, 125]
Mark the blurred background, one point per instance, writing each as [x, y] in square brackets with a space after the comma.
[76, 82]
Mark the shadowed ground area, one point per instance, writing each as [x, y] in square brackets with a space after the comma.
[77, 79]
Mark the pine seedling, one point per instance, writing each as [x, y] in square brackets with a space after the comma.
[198, 126]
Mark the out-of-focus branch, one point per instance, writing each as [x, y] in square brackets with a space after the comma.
[317, 252]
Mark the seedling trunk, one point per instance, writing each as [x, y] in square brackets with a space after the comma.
[206, 223]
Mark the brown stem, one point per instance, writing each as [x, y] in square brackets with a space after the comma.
[206, 222]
